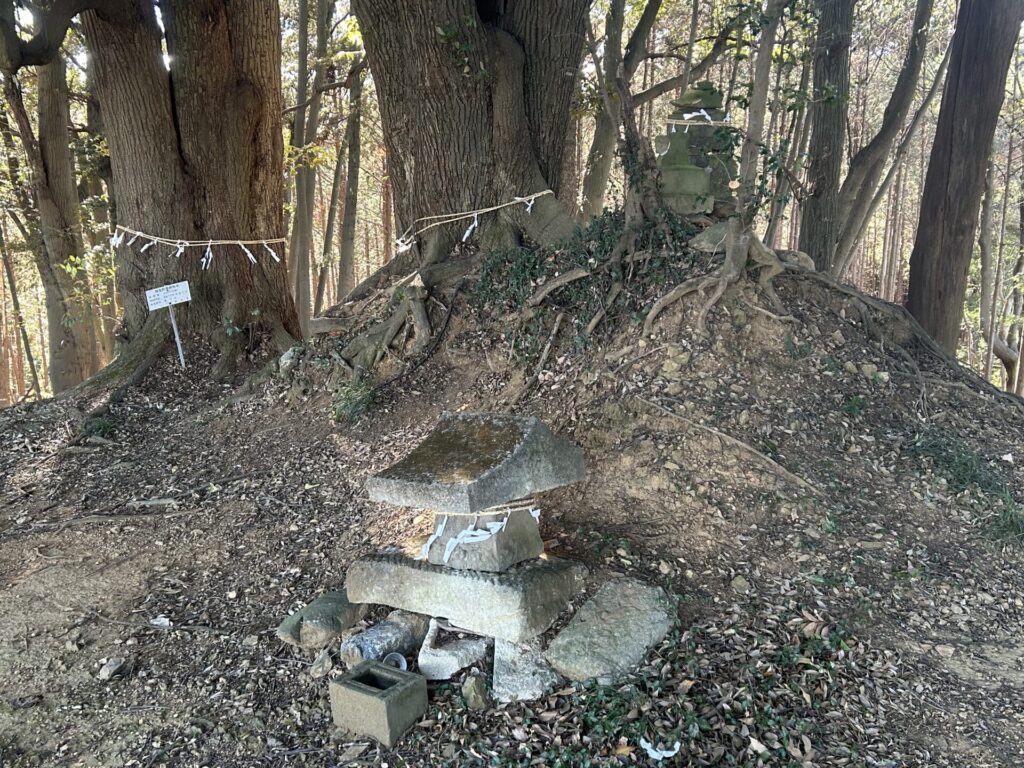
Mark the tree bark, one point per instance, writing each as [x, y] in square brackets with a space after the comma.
[70, 325]
[475, 102]
[304, 135]
[19, 318]
[347, 251]
[332, 214]
[196, 154]
[983, 43]
[866, 167]
[819, 220]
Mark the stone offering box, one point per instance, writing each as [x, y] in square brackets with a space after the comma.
[373, 699]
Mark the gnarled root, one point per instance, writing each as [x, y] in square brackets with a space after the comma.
[365, 351]
[744, 250]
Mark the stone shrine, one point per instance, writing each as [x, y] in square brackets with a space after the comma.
[699, 165]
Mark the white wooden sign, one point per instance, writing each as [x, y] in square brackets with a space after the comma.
[168, 296]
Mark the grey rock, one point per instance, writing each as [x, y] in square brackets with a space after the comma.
[519, 539]
[441, 662]
[474, 691]
[322, 664]
[520, 671]
[401, 632]
[740, 584]
[515, 605]
[321, 621]
[114, 667]
[799, 258]
[472, 461]
[610, 635]
[711, 240]
[290, 358]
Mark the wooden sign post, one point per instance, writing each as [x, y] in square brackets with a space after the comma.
[168, 296]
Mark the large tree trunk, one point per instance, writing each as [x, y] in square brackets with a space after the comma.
[197, 154]
[475, 101]
[983, 43]
[70, 324]
[819, 219]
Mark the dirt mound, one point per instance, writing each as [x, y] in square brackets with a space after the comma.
[837, 512]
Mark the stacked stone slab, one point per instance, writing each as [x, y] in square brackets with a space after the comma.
[483, 568]
[698, 165]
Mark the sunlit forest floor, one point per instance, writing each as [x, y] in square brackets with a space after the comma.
[844, 537]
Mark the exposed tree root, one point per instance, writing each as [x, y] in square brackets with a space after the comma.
[745, 250]
[737, 443]
[892, 325]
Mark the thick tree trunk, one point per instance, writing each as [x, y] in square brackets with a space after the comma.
[983, 43]
[70, 324]
[347, 251]
[819, 220]
[197, 154]
[475, 101]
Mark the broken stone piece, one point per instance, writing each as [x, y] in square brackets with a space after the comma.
[474, 691]
[610, 635]
[322, 664]
[710, 240]
[515, 605]
[378, 701]
[442, 662]
[520, 671]
[114, 667]
[472, 461]
[401, 632]
[321, 621]
[515, 537]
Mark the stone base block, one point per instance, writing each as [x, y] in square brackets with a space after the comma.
[520, 671]
[515, 605]
[611, 634]
[516, 537]
[378, 701]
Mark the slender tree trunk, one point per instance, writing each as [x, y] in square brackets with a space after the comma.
[820, 220]
[983, 43]
[62, 268]
[475, 102]
[866, 167]
[332, 214]
[19, 318]
[302, 226]
[347, 252]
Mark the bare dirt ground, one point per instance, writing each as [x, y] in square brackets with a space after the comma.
[841, 527]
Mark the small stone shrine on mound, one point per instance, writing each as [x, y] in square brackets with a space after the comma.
[482, 568]
[699, 164]
[482, 572]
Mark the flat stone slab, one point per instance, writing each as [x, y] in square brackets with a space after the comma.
[442, 661]
[520, 671]
[321, 621]
[515, 605]
[494, 540]
[610, 635]
[472, 461]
